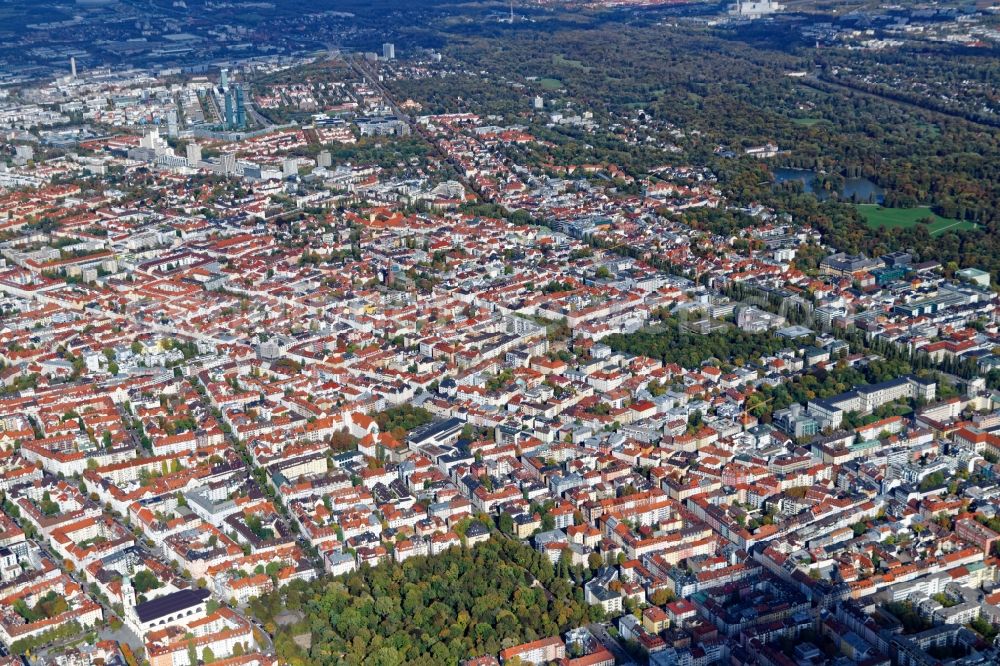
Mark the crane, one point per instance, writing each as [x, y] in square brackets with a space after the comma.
[746, 411]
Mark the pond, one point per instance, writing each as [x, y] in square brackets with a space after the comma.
[861, 190]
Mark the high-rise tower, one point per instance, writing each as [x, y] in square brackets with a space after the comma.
[230, 119]
[241, 109]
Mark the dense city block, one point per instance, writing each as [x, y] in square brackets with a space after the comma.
[507, 333]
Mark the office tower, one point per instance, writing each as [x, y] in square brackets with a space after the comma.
[193, 154]
[323, 159]
[290, 168]
[151, 140]
[228, 162]
[72, 67]
[224, 79]
[241, 109]
[389, 51]
[23, 154]
[172, 123]
[230, 113]
[539, 103]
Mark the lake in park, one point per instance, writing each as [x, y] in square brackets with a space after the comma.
[861, 190]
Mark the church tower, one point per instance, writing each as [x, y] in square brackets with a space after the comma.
[128, 595]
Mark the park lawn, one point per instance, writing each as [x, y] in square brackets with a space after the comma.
[878, 217]
[550, 84]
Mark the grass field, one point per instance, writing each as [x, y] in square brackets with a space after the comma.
[931, 129]
[560, 59]
[550, 84]
[877, 216]
[808, 122]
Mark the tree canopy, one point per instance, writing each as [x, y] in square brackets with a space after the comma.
[427, 610]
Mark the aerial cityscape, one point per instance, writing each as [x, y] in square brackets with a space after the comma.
[562, 332]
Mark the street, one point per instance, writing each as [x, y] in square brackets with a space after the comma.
[601, 633]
